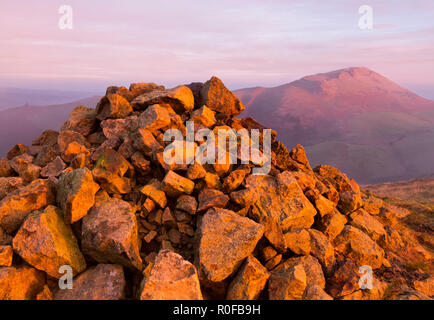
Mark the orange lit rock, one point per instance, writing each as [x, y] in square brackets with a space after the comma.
[110, 234]
[47, 243]
[171, 278]
[101, 282]
[15, 207]
[20, 283]
[225, 239]
[76, 194]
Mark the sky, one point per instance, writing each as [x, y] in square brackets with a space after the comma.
[244, 42]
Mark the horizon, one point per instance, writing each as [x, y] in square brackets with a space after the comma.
[246, 44]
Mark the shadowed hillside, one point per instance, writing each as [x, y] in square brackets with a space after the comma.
[22, 124]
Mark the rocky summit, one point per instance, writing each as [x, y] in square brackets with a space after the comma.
[99, 199]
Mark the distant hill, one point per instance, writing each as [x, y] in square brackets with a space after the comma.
[420, 190]
[17, 97]
[354, 119]
[23, 124]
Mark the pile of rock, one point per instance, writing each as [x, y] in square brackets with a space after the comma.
[99, 198]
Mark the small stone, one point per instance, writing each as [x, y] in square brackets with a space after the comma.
[150, 236]
[174, 184]
[154, 191]
[196, 171]
[372, 205]
[249, 281]
[187, 204]
[9, 184]
[154, 117]
[5, 168]
[298, 241]
[171, 278]
[119, 128]
[349, 202]
[272, 263]
[82, 120]
[23, 165]
[212, 181]
[233, 180]
[203, 117]
[16, 151]
[141, 163]
[45, 294]
[66, 137]
[210, 198]
[314, 292]
[72, 150]
[6, 254]
[332, 224]
[287, 283]
[76, 194]
[268, 253]
[47, 138]
[144, 140]
[185, 229]
[113, 106]
[54, 168]
[298, 154]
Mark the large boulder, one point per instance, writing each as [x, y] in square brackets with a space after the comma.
[20, 283]
[180, 98]
[357, 246]
[368, 224]
[224, 240]
[47, 243]
[110, 234]
[82, 120]
[171, 278]
[322, 249]
[280, 204]
[311, 266]
[101, 282]
[76, 194]
[119, 128]
[218, 98]
[16, 206]
[287, 283]
[113, 106]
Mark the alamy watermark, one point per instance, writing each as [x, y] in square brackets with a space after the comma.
[220, 146]
[366, 21]
[65, 281]
[66, 18]
[366, 278]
